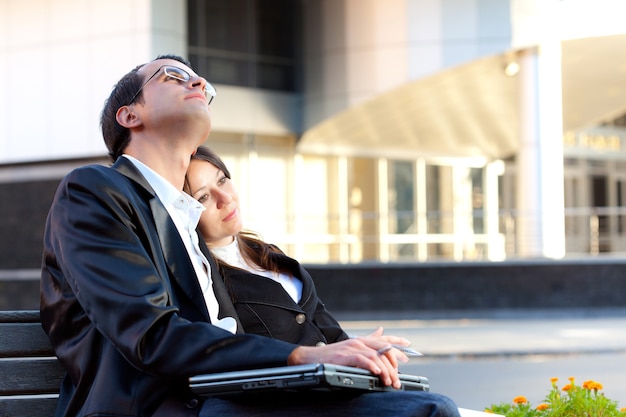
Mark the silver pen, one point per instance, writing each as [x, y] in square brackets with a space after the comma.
[407, 351]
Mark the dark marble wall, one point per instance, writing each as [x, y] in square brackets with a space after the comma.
[581, 284]
[23, 213]
[473, 286]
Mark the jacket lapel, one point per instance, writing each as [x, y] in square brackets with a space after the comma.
[249, 288]
[227, 309]
[176, 256]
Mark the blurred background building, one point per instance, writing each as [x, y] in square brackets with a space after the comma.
[356, 130]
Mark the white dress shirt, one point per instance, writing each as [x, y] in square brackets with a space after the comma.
[185, 213]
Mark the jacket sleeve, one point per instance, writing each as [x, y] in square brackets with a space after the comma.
[327, 324]
[104, 278]
[322, 318]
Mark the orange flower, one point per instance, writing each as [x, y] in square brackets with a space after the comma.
[488, 411]
[622, 410]
[595, 386]
[520, 400]
[567, 387]
[542, 406]
[571, 379]
[554, 380]
[592, 385]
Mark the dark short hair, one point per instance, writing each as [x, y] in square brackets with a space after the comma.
[116, 137]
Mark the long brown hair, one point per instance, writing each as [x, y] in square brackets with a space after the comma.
[253, 249]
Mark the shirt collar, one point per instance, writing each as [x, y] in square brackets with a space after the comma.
[167, 193]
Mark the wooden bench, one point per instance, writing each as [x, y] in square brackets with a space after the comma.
[30, 374]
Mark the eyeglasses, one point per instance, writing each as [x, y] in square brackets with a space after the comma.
[180, 75]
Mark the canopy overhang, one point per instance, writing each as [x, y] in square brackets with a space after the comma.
[472, 111]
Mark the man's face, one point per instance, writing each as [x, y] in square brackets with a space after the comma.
[173, 96]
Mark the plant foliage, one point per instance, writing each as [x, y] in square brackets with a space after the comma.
[569, 401]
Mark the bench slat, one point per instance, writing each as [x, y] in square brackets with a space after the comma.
[27, 407]
[21, 340]
[30, 376]
[19, 316]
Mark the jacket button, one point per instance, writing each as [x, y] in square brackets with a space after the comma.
[300, 318]
[193, 403]
[320, 344]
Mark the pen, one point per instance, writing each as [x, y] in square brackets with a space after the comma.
[407, 351]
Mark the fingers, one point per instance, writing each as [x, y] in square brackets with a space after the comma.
[389, 374]
[384, 350]
[379, 358]
[392, 350]
[394, 340]
[392, 356]
[381, 361]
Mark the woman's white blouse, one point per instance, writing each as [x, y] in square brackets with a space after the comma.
[231, 255]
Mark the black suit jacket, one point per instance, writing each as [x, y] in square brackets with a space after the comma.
[265, 308]
[121, 303]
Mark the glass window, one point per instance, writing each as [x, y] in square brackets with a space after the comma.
[621, 219]
[402, 201]
[402, 216]
[478, 200]
[433, 204]
[251, 43]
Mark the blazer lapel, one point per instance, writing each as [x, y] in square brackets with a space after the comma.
[176, 256]
[227, 309]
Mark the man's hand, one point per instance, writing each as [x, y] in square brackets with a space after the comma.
[372, 352]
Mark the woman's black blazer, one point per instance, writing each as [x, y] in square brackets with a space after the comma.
[265, 308]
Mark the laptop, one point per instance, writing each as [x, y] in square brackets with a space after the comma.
[318, 377]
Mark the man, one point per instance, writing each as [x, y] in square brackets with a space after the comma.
[131, 299]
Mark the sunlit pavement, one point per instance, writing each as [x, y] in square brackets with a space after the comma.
[500, 333]
[480, 358]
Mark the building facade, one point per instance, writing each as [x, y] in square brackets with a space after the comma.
[355, 130]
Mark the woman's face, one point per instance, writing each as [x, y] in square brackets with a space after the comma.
[209, 185]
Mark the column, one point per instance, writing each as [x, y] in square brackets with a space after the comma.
[540, 202]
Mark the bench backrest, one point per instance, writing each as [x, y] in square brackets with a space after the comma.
[30, 374]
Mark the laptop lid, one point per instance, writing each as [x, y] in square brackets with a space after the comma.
[325, 377]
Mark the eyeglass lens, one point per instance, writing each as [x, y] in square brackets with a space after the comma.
[182, 75]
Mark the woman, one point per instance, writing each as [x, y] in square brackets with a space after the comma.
[273, 294]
